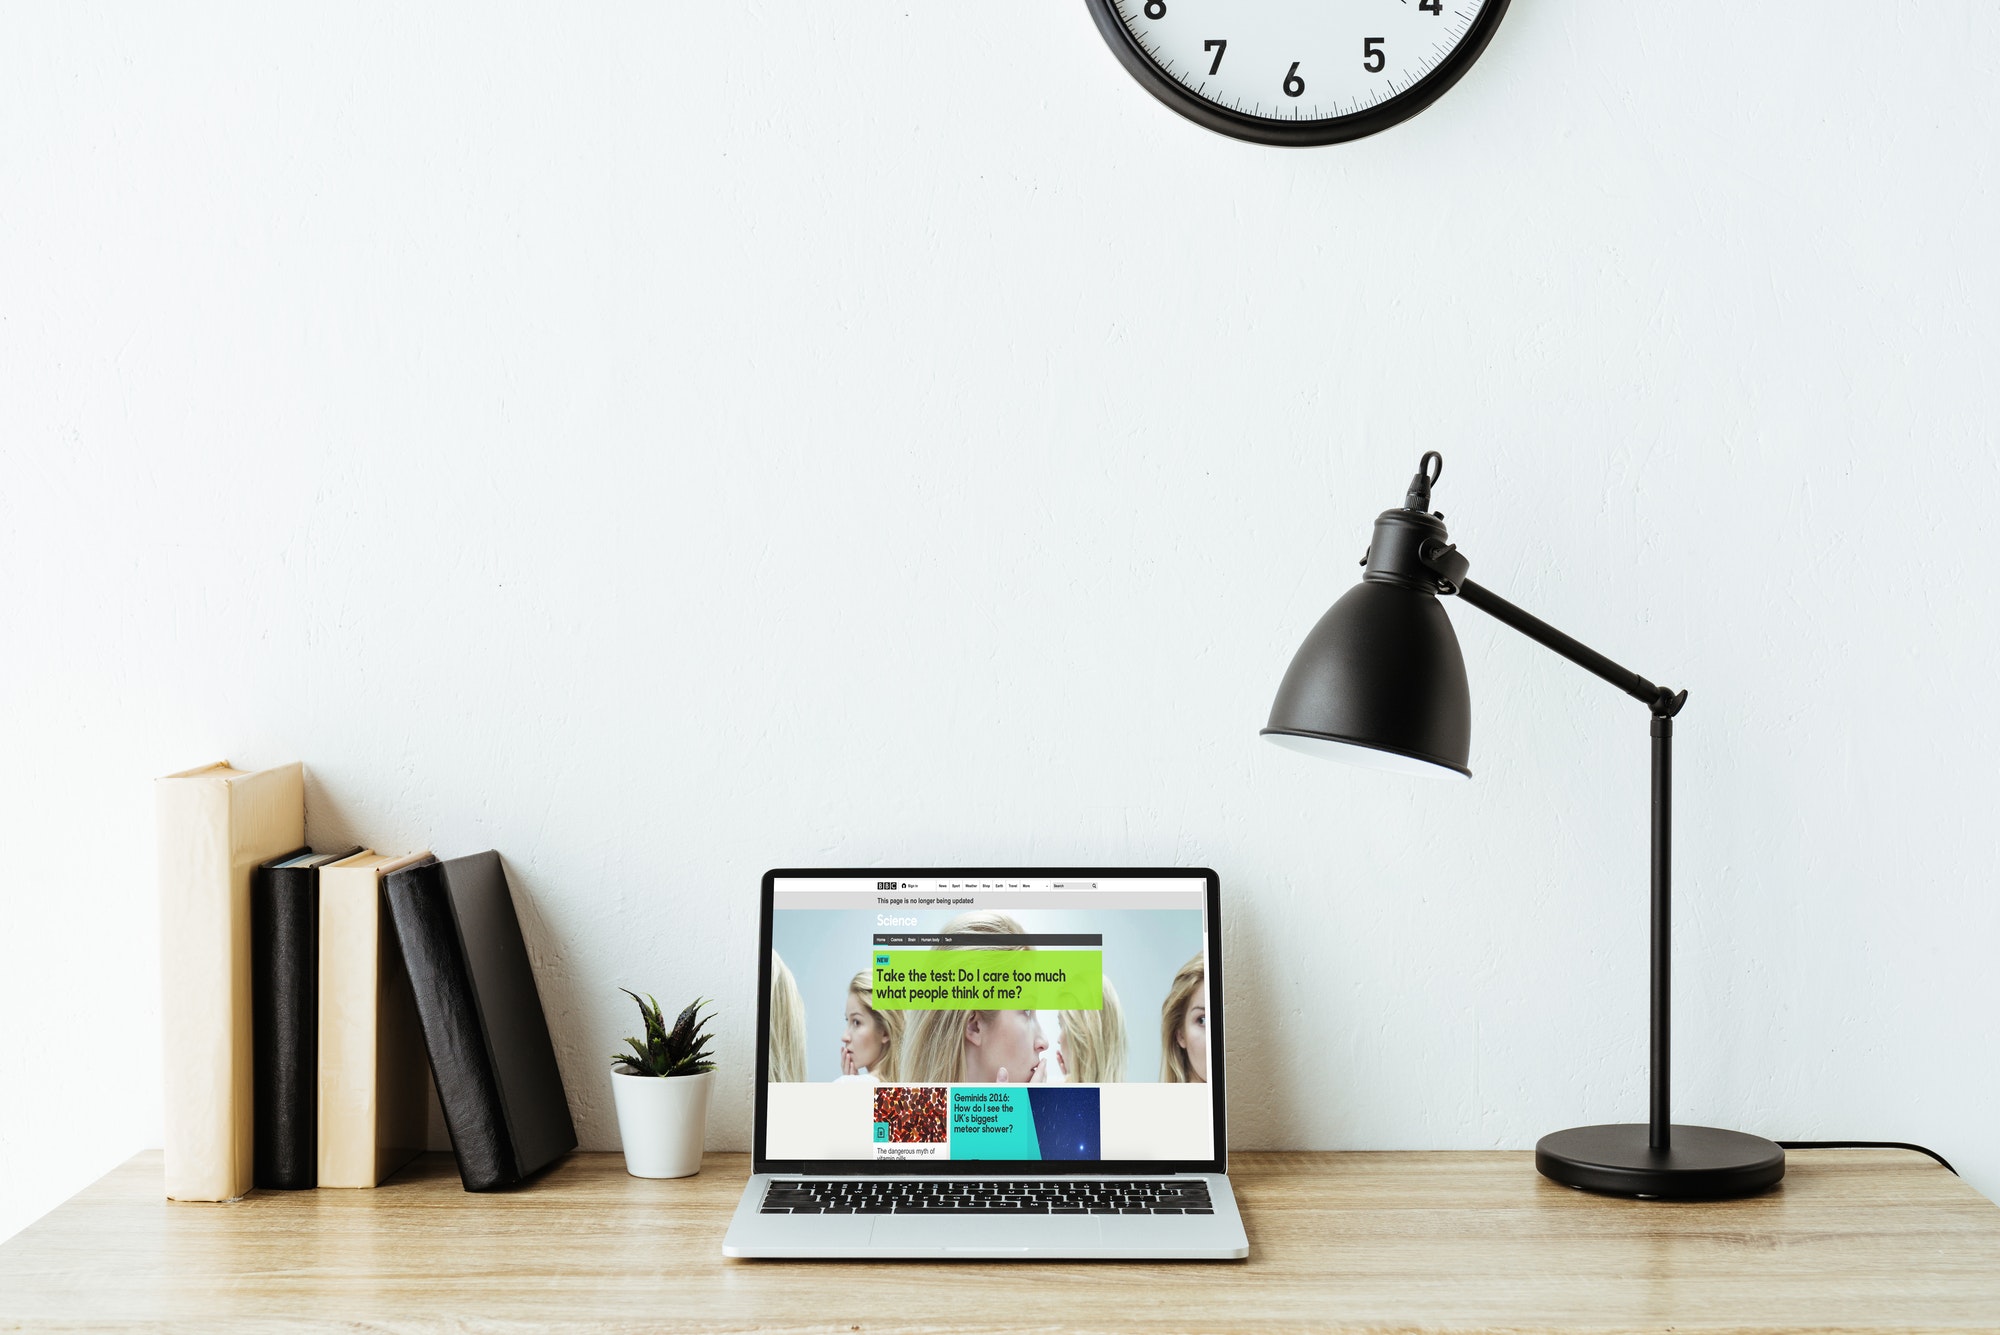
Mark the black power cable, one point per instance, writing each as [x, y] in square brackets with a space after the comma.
[1865, 1145]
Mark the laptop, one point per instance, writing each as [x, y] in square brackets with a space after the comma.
[1004, 1063]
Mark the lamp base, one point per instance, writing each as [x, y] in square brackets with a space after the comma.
[1704, 1163]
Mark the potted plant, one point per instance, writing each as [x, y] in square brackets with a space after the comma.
[661, 1091]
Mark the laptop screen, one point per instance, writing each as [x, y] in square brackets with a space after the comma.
[937, 1018]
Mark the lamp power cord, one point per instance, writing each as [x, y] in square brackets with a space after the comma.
[1866, 1145]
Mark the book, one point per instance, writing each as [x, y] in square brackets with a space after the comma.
[484, 1029]
[284, 1017]
[216, 824]
[373, 1112]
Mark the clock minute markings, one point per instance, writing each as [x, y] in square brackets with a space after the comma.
[1191, 77]
[1149, 24]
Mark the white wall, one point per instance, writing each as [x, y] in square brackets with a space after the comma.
[664, 442]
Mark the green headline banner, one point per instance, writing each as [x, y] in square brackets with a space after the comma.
[1015, 980]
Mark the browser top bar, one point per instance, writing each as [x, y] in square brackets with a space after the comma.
[1102, 885]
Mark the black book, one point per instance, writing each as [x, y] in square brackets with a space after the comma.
[490, 1051]
[284, 1018]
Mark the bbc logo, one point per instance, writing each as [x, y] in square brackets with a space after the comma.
[885, 885]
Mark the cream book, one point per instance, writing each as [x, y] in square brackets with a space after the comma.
[373, 1072]
[215, 825]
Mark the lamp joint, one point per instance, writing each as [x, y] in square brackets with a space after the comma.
[1449, 564]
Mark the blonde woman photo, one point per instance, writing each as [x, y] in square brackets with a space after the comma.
[1184, 1026]
[973, 1047]
[1091, 1047]
[983, 922]
[788, 1024]
[869, 1039]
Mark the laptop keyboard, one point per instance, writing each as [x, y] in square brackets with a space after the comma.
[940, 1196]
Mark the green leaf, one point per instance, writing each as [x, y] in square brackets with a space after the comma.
[680, 1050]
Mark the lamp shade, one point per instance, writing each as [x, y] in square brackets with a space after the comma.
[1380, 682]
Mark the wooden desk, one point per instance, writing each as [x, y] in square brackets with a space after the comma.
[1853, 1241]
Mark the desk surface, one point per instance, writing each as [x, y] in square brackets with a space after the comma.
[1852, 1241]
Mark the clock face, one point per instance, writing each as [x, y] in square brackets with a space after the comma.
[1297, 71]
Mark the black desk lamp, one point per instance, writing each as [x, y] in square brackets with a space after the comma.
[1380, 682]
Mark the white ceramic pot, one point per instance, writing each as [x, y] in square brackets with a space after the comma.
[662, 1120]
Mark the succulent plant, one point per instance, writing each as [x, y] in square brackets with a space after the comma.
[681, 1050]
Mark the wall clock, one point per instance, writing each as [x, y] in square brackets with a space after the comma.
[1297, 72]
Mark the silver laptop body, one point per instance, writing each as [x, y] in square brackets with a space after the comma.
[890, 1125]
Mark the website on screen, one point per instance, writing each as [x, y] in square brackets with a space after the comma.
[989, 1019]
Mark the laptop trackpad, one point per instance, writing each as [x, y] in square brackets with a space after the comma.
[992, 1235]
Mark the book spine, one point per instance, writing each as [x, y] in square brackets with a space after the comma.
[284, 1002]
[402, 1078]
[347, 990]
[461, 1064]
[372, 1076]
[215, 825]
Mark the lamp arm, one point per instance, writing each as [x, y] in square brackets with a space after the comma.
[1450, 565]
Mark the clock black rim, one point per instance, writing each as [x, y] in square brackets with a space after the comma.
[1296, 134]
